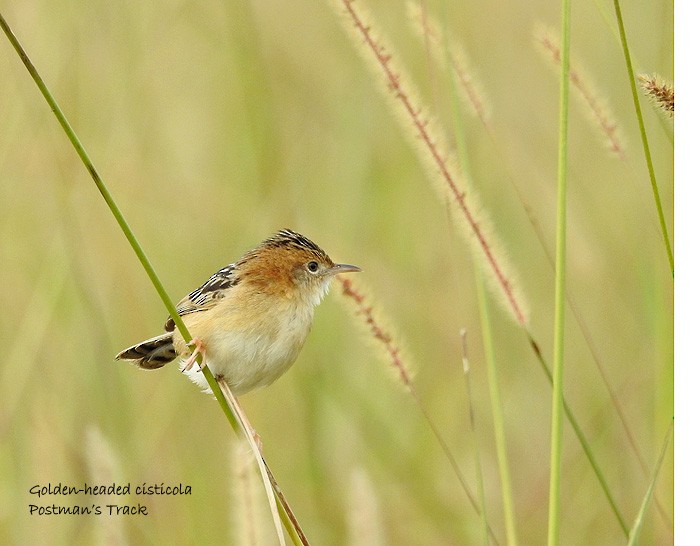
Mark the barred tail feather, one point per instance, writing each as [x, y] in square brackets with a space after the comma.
[151, 354]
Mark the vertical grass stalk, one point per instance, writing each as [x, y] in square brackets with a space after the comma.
[595, 105]
[486, 332]
[429, 150]
[499, 429]
[437, 42]
[643, 134]
[560, 287]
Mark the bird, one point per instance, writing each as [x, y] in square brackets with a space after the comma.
[250, 319]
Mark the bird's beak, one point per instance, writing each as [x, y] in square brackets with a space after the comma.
[342, 268]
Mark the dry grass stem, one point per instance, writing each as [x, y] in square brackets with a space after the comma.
[253, 441]
[594, 104]
[443, 49]
[659, 91]
[431, 145]
[247, 525]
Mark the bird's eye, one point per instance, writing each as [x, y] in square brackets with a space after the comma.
[312, 267]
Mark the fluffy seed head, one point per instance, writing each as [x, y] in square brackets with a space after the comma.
[660, 91]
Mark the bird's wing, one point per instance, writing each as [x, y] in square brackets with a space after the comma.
[207, 295]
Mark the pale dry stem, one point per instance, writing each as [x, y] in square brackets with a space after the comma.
[250, 435]
[248, 528]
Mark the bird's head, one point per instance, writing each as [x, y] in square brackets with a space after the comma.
[291, 266]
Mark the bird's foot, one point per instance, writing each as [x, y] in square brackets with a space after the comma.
[198, 350]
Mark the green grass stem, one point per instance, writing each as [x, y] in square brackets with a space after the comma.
[499, 429]
[613, 27]
[85, 158]
[486, 332]
[585, 445]
[643, 134]
[135, 245]
[461, 146]
[554, 521]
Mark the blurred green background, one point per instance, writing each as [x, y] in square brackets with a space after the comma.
[216, 123]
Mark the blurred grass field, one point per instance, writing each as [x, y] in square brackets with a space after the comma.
[215, 124]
